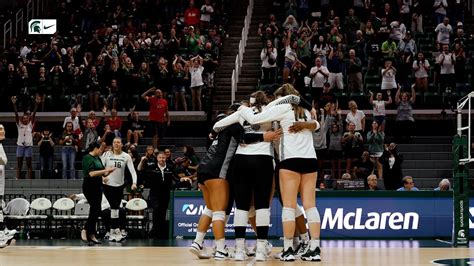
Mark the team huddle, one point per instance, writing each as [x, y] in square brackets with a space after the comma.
[257, 149]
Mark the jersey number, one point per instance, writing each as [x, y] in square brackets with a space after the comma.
[118, 164]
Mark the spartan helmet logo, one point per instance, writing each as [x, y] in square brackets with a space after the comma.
[35, 27]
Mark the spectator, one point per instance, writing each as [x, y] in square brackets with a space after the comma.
[389, 47]
[444, 185]
[193, 41]
[46, 152]
[298, 75]
[93, 86]
[209, 62]
[189, 152]
[372, 183]
[114, 122]
[460, 64]
[405, 120]
[180, 76]
[196, 69]
[375, 139]
[407, 46]
[388, 76]
[408, 184]
[417, 17]
[397, 30]
[69, 140]
[335, 146]
[113, 96]
[321, 49]
[268, 55]
[328, 96]
[443, 31]
[24, 143]
[446, 60]
[352, 143]
[90, 133]
[290, 24]
[191, 15]
[169, 159]
[354, 72]
[391, 162]
[207, 10]
[379, 108]
[363, 167]
[185, 179]
[108, 136]
[325, 120]
[356, 116]
[319, 75]
[304, 46]
[136, 127]
[336, 67]
[421, 67]
[351, 25]
[290, 56]
[74, 118]
[440, 10]
[159, 116]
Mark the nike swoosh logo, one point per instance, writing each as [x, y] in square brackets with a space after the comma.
[47, 27]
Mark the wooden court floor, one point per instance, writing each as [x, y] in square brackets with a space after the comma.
[142, 255]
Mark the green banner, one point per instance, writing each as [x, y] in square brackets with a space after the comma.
[461, 192]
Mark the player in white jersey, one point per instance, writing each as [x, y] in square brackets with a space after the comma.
[6, 236]
[113, 189]
[297, 166]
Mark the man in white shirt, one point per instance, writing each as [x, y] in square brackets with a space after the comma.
[74, 118]
[443, 31]
[446, 61]
[319, 75]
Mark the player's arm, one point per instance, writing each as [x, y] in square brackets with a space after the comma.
[131, 168]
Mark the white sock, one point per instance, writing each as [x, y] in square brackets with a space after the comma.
[240, 243]
[313, 243]
[287, 243]
[220, 244]
[261, 245]
[199, 238]
[304, 237]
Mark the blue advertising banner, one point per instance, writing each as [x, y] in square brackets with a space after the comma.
[349, 216]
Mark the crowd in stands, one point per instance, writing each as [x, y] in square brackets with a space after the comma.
[107, 53]
[375, 54]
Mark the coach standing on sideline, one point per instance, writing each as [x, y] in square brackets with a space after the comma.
[160, 181]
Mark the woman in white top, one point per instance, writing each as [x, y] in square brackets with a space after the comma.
[24, 142]
[388, 76]
[355, 116]
[421, 67]
[298, 166]
[379, 108]
[269, 66]
[290, 56]
[196, 69]
[113, 188]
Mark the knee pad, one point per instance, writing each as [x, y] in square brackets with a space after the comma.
[288, 214]
[298, 210]
[218, 216]
[252, 212]
[240, 218]
[312, 215]
[263, 217]
[207, 212]
[114, 213]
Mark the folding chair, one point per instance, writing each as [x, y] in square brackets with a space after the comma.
[137, 222]
[16, 211]
[62, 221]
[39, 217]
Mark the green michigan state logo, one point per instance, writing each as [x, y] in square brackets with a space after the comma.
[455, 262]
[35, 26]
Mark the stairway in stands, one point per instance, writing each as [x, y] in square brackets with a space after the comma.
[221, 98]
[251, 64]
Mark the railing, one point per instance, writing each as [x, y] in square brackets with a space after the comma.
[15, 28]
[240, 55]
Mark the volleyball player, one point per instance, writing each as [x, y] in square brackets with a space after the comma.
[6, 236]
[113, 189]
[212, 172]
[298, 168]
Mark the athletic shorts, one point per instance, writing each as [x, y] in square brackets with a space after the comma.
[177, 89]
[300, 165]
[24, 151]
[201, 178]
[380, 119]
